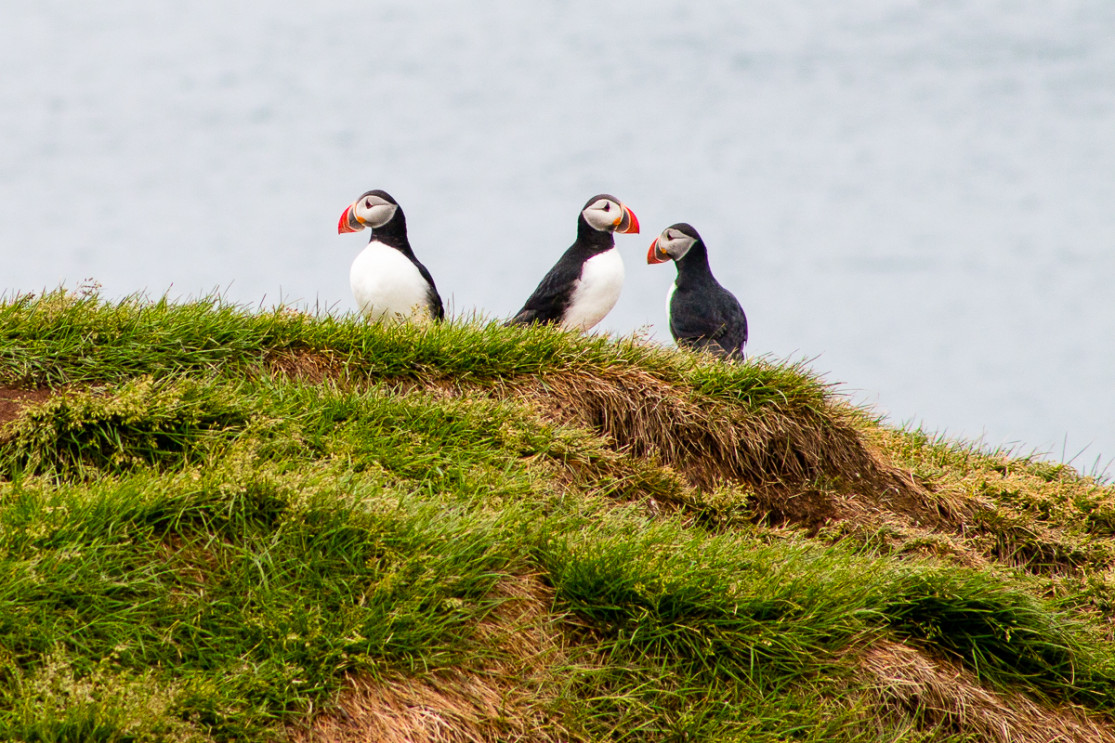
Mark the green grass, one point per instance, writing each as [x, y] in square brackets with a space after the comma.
[62, 339]
[196, 546]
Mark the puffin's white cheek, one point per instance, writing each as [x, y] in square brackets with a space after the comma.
[599, 219]
[678, 247]
[378, 215]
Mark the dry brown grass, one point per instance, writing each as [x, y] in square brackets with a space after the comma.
[939, 697]
[802, 467]
[501, 696]
[306, 366]
[705, 440]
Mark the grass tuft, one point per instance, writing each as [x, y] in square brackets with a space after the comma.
[143, 422]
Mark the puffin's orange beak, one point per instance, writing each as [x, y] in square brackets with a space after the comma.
[349, 222]
[628, 222]
[652, 254]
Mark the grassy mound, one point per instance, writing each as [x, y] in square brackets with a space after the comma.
[220, 525]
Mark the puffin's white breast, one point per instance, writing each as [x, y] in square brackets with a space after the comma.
[386, 285]
[596, 292]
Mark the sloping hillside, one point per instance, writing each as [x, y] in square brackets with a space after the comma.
[219, 525]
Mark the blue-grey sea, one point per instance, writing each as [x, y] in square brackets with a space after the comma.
[917, 197]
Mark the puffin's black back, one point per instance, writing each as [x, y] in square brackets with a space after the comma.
[553, 295]
[703, 314]
[551, 298]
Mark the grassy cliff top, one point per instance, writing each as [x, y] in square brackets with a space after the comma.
[226, 525]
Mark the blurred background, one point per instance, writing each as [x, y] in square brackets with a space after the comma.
[918, 198]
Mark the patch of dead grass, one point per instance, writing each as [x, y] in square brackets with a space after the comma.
[940, 697]
[499, 696]
[312, 367]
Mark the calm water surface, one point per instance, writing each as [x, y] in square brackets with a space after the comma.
[918, 197]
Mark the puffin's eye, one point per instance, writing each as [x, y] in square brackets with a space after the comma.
[607, 206]
[368, 204]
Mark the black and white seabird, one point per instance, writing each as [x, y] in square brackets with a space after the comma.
[585, 283]
[703, 314]
[387, 280]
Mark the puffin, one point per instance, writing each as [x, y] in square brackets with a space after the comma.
[585, 283]
[388, 281]
[703, 314]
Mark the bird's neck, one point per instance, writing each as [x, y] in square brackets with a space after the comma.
[394, 233]
[591, 240]
[693, 267]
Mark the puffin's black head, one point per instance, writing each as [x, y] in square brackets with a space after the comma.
[674, 242]
[374, 209]
[606, 213]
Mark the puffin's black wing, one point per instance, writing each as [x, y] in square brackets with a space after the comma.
[432, 297]
[712, 320]
[551, 299]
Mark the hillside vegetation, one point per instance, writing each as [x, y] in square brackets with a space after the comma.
[226, 525]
